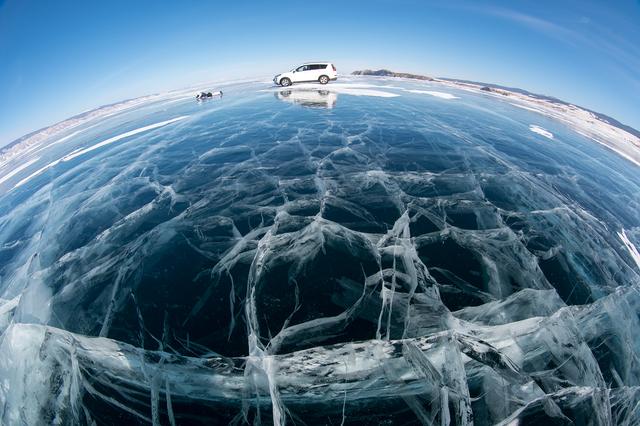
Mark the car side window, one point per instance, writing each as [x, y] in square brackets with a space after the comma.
[311, 67]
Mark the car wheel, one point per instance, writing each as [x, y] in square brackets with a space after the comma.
[285, 82]
[323, 79]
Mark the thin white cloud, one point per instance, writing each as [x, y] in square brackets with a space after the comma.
[602, 40]
[546, 27]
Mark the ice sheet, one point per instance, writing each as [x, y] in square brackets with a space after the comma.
[267, 262]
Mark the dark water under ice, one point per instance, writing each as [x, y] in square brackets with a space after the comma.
[321, 257]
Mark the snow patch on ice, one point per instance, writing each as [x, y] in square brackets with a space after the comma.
[36, 173]
[633, 251]
[525, 107]
[121, 136]
[18, 170]
[367, 92]
[541, 131]
[109, 141]
[344, 89]
[440, 95]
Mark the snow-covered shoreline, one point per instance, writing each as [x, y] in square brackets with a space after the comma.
[36, 140]
[580, 120]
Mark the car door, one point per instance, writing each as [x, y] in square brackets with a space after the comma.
[310, 74]
[302, 73]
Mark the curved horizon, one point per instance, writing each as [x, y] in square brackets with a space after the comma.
[64, 58]
[624, 126]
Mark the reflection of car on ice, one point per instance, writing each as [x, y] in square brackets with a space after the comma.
[309, 98]
[322, 72]
[208, 95]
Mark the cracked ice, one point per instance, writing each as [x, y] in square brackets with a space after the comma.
[258, 259]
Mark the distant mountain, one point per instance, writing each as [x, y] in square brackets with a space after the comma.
[387, 73]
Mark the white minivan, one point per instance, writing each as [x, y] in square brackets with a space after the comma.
[321, 72]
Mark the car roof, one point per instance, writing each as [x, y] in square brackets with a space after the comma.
[315, 62]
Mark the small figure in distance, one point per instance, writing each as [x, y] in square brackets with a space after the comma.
[206, 95]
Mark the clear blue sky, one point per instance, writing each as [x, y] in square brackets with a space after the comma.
[58, 58]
